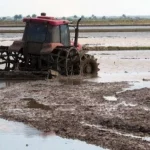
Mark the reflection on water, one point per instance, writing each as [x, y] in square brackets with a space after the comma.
[2, 84]
[17, 136]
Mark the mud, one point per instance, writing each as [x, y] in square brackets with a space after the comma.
[80, 111]
[24, 75]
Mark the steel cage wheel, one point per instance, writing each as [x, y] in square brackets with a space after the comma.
[89, 66]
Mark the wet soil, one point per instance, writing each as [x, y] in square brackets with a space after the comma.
[105, 114]
[78, 110]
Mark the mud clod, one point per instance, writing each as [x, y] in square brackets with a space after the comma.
[36, 105]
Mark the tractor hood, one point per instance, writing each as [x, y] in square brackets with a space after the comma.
[16, 46]
[49, 47]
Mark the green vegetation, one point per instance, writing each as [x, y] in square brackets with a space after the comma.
[114, 48]
[89, 22]
[116, 22]
[11, 23]
[16, 20]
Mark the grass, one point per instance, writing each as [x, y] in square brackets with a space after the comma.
[120, 22]
[96, 22]
[114, 48]
[11, 24]
[11, 31]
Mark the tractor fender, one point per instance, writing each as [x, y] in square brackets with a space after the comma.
[79, 46]
[49, 47]
[16, 46]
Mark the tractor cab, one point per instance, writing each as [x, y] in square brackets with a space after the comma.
[43, 31]
[46, 46]
[46, 30]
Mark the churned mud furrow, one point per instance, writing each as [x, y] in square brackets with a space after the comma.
[81, 110]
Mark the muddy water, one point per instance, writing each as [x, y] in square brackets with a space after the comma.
[96, 38]
[138, 85]
[11, 36]
[11, 28]
[115, 66]
[115, 27]
[122, 66]
[114, 35]
[17, 136]
[2, 84]
[92, 35]
[118, 66]
[6, 39]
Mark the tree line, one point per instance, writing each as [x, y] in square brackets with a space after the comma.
[93, 17]
[17, 17]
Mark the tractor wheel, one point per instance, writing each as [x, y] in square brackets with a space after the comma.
[8, 60]
[4, 60]
[68, 62]
[73, 62]
[89, 65]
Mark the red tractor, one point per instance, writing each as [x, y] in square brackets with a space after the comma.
[46, 46]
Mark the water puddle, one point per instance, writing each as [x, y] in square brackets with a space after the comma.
[72, 80]
[146, 139]
[17, 136]
[110, 98]
[2, 84]
[119, 77]
[137, 85]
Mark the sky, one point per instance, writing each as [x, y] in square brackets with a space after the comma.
[60, 8]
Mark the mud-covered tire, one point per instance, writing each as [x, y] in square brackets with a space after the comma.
[68, 61]
[89, 65]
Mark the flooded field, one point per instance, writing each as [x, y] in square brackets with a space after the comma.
[118, 66]
[110, 111]
[11, 28]
[22, 137]
[96, 39]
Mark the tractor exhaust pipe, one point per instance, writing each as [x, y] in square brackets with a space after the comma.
[77, 33]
